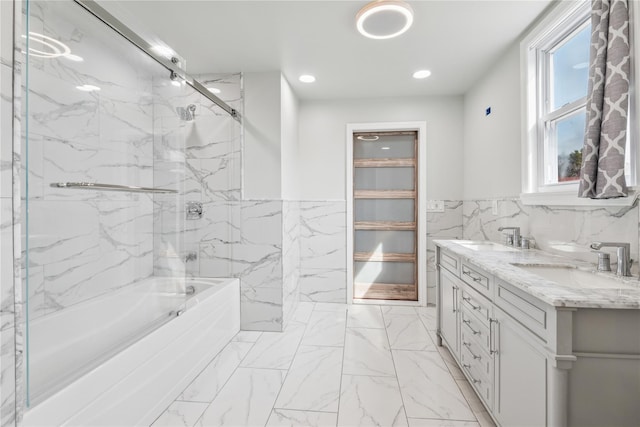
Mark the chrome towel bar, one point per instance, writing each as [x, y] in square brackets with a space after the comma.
[110, 187]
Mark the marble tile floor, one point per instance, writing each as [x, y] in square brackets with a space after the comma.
[335, 365]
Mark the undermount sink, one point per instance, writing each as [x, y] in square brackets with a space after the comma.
[574, 278]
[483, 245]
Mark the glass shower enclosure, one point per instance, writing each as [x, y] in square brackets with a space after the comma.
[104, 133]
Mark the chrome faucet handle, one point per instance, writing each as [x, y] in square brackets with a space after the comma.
[516, 235]
[623, 252]
[604, 261]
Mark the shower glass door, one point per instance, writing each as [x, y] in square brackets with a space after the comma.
[96, 110]
[385, 211]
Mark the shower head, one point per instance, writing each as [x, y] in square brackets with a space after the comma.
[187, 114]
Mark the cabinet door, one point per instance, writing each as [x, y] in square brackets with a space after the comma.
[450, 290]
[520, 374]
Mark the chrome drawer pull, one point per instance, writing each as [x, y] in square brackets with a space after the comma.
[492, 338]
[475, 279]
[468, 300]
[454, 294]
[468, 322]
[468, 345]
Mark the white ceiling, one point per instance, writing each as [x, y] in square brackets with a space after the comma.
[456, 40]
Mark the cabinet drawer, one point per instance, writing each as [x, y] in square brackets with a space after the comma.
[474, 328]
[473, 353]
[450, 262]
[476, 278]
[527, 311]
[480, 382]
[477, 305]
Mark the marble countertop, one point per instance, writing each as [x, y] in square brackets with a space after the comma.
[500, 265]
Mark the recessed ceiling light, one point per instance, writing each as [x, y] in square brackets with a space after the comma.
[385, 148]
[422, 74]
[307, 78]
[214, 90]
[384, 19]
[88, 88]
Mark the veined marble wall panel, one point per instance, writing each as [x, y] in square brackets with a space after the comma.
[6, 117]
[85, 243]
[81, 249]
[11, 299]
[202, 159]
[257, 259]
[6, 265]
[481, 224]
[565, 230]
[323, 251]
[234, 238]
[441, 225]
[290, 258]
[570, 230]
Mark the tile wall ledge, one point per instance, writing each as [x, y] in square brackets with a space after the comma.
[570, 199]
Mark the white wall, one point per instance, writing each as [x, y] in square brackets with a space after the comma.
[289, 148]
[492, 143]
[262, 137]
[322, 141]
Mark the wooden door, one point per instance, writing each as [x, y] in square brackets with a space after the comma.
[385, 213]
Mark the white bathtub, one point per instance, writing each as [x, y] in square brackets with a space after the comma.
[141, 355]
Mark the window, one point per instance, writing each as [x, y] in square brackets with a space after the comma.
[555, 64]
[564, 74]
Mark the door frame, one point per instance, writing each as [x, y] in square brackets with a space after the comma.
[421, 221]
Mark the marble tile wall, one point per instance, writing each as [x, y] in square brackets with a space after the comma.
[441, 225]
[85, 243]
[290, 258]
[565, 230]
[248, 239]
[11, 302]
[323, 251]
[200, 158]
[323, 247]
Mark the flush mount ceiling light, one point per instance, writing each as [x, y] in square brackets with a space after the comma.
[384, 19]
[368, 137]
[422, 74]
[307, 78]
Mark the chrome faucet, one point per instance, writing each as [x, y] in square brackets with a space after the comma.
[623, 251]
[516, 235]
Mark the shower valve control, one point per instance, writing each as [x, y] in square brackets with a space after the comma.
[194, 210]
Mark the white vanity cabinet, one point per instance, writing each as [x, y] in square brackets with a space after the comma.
[498, 355]
[450, 301]
[521, 375]
[533, 363]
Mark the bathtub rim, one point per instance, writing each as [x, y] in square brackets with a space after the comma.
[68, 406]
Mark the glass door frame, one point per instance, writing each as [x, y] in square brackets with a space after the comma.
[421, 221]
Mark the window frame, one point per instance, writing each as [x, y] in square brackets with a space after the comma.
[562, 21]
